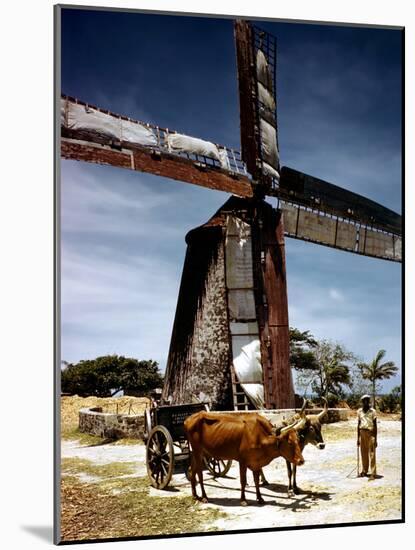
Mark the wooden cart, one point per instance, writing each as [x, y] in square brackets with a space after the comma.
[167, 449]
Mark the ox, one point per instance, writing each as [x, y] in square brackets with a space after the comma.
[249, 439]
[310, 432]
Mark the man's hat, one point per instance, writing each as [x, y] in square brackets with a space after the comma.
[366, 396]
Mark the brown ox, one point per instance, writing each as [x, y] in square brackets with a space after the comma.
[249, 439]
[310, 432]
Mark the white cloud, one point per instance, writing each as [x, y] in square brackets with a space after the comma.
[336, 295]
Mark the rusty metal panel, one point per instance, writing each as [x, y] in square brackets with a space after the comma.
[243, 329]
[238, 255]
[316, 227]
[346, 235]
[241, 305]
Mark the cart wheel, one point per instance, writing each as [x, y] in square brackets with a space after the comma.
[160, 457]
[147, 424]
[218, 468]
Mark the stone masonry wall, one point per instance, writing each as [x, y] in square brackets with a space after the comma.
[110, 425]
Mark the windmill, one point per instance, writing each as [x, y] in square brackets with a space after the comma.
[230, 341]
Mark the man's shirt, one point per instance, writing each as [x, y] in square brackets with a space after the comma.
[367, 419]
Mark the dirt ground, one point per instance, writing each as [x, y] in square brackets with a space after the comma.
[331, 492]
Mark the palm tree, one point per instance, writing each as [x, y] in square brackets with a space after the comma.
[375, 371]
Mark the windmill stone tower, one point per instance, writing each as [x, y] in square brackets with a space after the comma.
[230, 337]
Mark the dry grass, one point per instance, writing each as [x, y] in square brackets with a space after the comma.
[118, 506]
[338, 431]
[74, 466]
[374, 502]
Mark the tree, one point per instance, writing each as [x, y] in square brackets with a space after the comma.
[106, 375]
[391, 402]
[376, 371]
[302, 345]
[358, 387]
[333, 372]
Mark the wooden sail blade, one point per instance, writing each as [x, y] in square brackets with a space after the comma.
[326, 229]
[256, 52]
[91, 134]
[320, 195]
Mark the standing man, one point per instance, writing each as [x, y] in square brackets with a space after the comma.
[367, 434]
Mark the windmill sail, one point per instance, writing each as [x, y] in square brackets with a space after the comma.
[321, 195]
[92, 134]
[323, 213]
[256, 59]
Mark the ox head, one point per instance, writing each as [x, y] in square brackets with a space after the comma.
[311, 432]
[288, 442]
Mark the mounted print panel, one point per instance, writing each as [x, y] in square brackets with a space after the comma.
[228, 277]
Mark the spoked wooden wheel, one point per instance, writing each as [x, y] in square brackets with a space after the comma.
[218, 468]
[160, 457]
[147, 424]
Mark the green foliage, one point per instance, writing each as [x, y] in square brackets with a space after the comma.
[391, 402]
[104, 376]
[302, 345]
[329, 370]
[331, 374]
[376, 371]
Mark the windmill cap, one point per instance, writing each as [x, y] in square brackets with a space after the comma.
[366, 396]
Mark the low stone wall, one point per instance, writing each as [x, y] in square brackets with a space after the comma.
[278, 415]
[110, 425]
[116, 426]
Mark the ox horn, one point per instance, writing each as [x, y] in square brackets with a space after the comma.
[301, 423]
[288, 428]
[324, 411]
[303, 407]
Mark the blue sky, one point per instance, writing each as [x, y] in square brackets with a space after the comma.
[339, 117]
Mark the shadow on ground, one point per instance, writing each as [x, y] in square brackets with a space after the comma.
[304, 501]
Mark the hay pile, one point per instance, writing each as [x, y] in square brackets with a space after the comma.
[70, 406]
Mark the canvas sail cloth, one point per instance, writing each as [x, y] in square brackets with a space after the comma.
[76, 116]
[267, 117]
[245, 339]
[91, 120]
